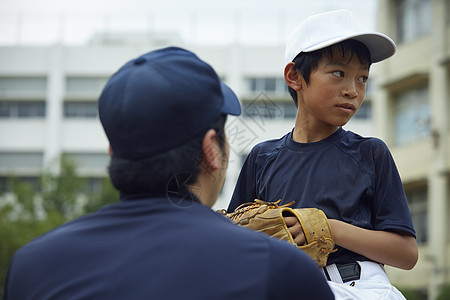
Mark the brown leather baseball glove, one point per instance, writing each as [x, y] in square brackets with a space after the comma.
[268, 217]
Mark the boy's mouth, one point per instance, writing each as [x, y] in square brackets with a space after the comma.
[346, 106]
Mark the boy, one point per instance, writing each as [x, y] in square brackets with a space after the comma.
[353, 179]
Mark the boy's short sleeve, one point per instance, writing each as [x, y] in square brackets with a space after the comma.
[391, 209]
[245, 186]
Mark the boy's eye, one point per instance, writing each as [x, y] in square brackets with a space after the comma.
[363, 79]
[338, 73]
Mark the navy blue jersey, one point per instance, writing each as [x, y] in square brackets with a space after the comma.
[154, 248]
[351, 178]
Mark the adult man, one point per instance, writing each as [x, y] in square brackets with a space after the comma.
[164, 114]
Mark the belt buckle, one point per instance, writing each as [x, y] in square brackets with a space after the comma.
[349, 271]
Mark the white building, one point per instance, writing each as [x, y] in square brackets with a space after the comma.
[48, 102]
[411, 115]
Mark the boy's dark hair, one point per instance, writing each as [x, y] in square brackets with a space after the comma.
[306, 62]
[177, 167]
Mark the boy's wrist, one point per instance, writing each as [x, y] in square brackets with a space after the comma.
[334, 225]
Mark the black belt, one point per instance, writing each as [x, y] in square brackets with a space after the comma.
[348, 272]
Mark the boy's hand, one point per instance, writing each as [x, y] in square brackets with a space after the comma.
[307, 228]
[296, 230]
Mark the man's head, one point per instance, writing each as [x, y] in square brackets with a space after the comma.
[156, 111]
[322, 34]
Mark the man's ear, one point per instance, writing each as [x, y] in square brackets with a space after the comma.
[292, 77]
[110, 151]
[211, 153]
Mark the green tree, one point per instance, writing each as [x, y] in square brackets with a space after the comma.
[411, 294]
[445, 293]
[61, 191]
[107, 195]
[37, 210]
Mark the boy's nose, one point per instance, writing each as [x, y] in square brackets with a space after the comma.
[349, 91]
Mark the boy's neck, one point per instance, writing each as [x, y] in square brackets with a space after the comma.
[303, 134]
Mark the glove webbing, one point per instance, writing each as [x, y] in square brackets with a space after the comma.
[245, 207]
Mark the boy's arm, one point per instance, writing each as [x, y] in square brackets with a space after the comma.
[393, 249]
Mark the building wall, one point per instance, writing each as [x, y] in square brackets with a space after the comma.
[74, 76]
[411, 114]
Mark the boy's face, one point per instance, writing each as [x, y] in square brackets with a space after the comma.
[335, 91]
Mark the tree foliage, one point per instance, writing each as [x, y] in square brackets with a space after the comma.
[34, 210]
[444, 293]
[412, 294]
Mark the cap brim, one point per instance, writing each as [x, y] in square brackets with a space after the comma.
[379, 45]
[231, 105]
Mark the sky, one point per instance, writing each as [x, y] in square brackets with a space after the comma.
[263, 22]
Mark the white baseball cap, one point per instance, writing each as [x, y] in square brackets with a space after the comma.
[325, 29]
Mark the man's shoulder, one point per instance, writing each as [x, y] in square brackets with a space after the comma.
[52, 237]
[264, 258]
[239, 235]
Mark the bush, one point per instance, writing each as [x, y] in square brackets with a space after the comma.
[445, 293]
[57, 202]
[411, 294]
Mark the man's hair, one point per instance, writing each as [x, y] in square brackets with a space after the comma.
[306, 62]
[171, 170]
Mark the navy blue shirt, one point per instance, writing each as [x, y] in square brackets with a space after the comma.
[160, 248]
[351, 178]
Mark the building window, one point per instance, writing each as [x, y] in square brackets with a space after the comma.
[364, 112]
[417, 201]
[412, 115]
[447, 14]
[414, 19]
[90, 161]
[20, 161]
[269, 110]
[80, 109]
[14, 85]
[94, 185]
[22, 109]
[85, 85]
[290, 110]
[6, 183]
[272, 85]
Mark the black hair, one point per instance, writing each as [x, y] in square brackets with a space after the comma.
[156, 174]
[306, 62]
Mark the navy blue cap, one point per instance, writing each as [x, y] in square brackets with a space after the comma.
[161, 100]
